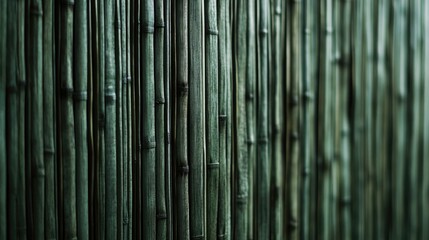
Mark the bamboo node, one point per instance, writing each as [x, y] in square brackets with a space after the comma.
[306, 172]
[213, 165]
[250, 96]
[345, 132]
[110, 96]
[160, 24]
[182, 89]
[161, 216]
[126, 80]
[21, 83]
[293, 224]
[221, 236]
[198, 237]
[80, 96]
[68, 3]
[294, 101]
[308, 96]
[149, 29]
[36, 10]
[241, 198]
[49, 151]
[183, 169]
[66, 92]
[278, 11]
[262, 140]
[213, 32]
[263, 32]
[294, 136]
[307, 31]
[250, 141]
[149, 143]
[345, 201]
[223, 118]
[160, 100]
[328, 30]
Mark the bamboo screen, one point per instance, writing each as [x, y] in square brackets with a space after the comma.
[215, 119]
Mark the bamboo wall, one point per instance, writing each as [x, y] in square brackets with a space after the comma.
[215, 119]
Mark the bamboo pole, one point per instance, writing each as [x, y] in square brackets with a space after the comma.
[161, 211]
[3, 174]
[35, 74]
[11, 121]
[49, 120]
[181, 140]
[80, 83]
[262, 162]
[21, 81]
[196, 154]
[212, 120]
[241, 198]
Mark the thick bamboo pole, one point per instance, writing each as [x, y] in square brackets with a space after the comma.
[3, 174]
[80, 83]
[181, 146]
[211, 116]
[11, 121]
[241, 193]
[263, 160]
[49, 119]
[35, 81]
[161, 210]
[196, 150]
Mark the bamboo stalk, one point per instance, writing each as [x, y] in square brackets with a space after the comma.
[212, 120]
[181, 140]
[222, 91]
[277, 210]
[80, 116]
[262, 162]
[128, 234]
[21, 81]
[49, 120]
[3, 166]
[241, 198]
[11, 121]
[161, 211]
[35, 74]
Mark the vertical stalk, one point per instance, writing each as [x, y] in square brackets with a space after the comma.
[181, 140]
[222, 41]
[35, 80]
[241, 197]
[161, 211]
[49, 119]
[11, 121]
[21, 75]
[262, 162]
[196, 154]
[212, 120]
[111, 195]
[3, 166]
[80, 116]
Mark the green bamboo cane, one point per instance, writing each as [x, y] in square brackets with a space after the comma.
[276, 214]
[3, 166]
[21, 74]
[68, 154]
[262, 162]
[11, 121]
[131, 133]
[80, 82]
[413, 113]
[102, 119]
[182, 120]
[222, 90]
[250, 98]
[324, 138]
[49, 119]
[161, 211]
[212, 120]
[35, 74]
[241, 219]
[229, 143]
[196, 154]
[148, 126]
[381, 119]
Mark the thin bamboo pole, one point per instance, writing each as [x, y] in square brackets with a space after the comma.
[35, 80]
[11, 121]
[241, 198]
[21, 81]
[3, 174]
[80, 83]
[196, 154]
[161, 210]
[263, 160]
[182, 168]
[128, 220]
[49, 119]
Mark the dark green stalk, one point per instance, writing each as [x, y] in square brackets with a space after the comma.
[129, 39]
[80, 78]
[241, 197]
[229, 121]
[262, 162]
[148, 120]
[212, 120]
[21, 209]
[35, 81]
[222, 41]
[11, 121]
[250, 97]
[161, 211]
[324, 138]
[196, 154]
[425, 165]
[49, 119]
[182, 168]
[277, 167]
[3, 166]
[111, 195]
